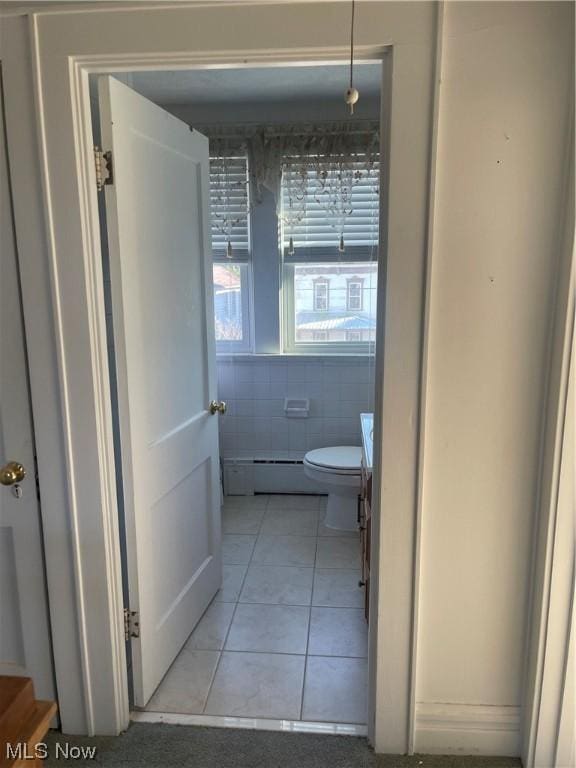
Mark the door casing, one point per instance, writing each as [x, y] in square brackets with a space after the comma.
[49, 57]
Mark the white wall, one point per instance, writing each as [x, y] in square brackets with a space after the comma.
[504, 104]
[255, 425]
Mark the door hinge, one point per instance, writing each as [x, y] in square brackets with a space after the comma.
[131, 624]
[103, 167]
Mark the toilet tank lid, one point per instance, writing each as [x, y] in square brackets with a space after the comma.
[336, 457]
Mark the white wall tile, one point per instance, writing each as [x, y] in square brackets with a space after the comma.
[260, 390]
[261, 425]
[296, 372]
[280, 426]
[353, 391]
[244, 372]
[314, 371]
[255, 425]
[244, 391]
[244, 407]
[227, 425]
[272, 407]
[355, 374]
[277, 390]
[244, 424]
[261, 372]
[278, 372]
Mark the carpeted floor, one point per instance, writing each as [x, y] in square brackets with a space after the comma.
[168, 746]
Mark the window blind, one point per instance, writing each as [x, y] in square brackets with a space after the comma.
[316, 236]
[229, 205]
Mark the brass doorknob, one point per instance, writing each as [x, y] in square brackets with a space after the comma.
[12, 473]
[217, 406]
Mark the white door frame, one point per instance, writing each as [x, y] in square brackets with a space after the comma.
[47, 59]
[548, 734]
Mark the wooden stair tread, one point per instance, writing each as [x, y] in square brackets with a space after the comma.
[16, 705]
[22, 718]
[36, 726]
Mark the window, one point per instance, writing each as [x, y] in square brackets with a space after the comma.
[300, 290]
[309, 317]
[230, 302]
[316, 233]
[231, 252]
[321, 288]
[329, 295]
[354, 296]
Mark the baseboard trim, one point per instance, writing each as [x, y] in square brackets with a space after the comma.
[469, 729]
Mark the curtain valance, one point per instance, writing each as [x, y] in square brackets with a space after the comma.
[271, 149]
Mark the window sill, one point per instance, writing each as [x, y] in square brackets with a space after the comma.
[295, 356]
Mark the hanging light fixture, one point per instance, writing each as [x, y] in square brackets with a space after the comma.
[351, 96]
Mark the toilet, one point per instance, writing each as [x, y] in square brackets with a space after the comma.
[336, 471]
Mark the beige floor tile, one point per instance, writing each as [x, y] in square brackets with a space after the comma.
[337, 588]
[300, 522]
[277, 585]
[338, 632]
[257, 685]
[285, 550]
[269, 629]
[258, 501]
[325, 531]
[338, 552]
[232, 579]
[237, 549]
[185, 687]
[335, 690]
[212, 628]
[241, 520]
[293, 501]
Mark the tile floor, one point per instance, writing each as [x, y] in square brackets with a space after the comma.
[285, 637]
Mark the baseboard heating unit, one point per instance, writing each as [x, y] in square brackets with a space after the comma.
[245, 476]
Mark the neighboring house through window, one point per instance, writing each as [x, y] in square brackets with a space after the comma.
[354, 295]
[321, 295]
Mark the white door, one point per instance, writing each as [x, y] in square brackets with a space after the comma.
[24, 629]
[157, 213]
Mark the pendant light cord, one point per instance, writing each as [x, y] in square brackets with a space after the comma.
[352, 43]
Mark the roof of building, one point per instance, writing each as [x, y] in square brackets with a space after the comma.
[226, 279]
[329, 321]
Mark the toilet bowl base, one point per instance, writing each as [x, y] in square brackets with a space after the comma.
[342, 512]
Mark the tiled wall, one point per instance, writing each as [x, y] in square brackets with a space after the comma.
[254, 389]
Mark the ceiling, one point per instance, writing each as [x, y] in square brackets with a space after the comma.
[256, 85]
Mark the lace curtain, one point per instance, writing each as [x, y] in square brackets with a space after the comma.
[271, 149]
[325, 160]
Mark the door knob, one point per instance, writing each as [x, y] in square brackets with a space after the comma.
[217, 406]
[11, 473]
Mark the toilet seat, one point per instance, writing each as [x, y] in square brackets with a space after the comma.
[338, 460]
